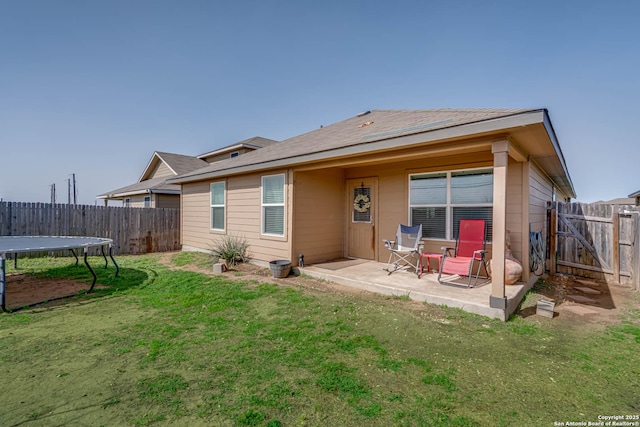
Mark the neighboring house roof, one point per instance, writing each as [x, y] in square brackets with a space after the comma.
[251, 143]
[177, 164]
[618, 201]
[380, 130]
[636, 194]
[154, 185]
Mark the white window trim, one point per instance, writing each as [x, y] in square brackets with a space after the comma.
[448, 206]
[223, 205]
[144, 201]
[283, 204]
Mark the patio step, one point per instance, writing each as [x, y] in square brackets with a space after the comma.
[588, 290]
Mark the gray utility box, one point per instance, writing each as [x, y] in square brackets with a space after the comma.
[545, 308]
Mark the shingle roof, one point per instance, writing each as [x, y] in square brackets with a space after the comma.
[254, 142]
[373, 126]
[154, 185]
[180, 163]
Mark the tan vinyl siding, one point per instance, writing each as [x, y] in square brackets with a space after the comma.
[393, 193]
[514, 201]
[167, 200]
[137, 201]
[243, 211]
[540, 192]
[160, 171]
[319, 215]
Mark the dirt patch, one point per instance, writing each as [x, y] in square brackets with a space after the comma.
[583, 301]
[26, 290]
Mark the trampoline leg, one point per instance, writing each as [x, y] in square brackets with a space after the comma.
[15, 261]
[106, 263]
[86, 250]
[74, 254]
[3, 284]
[114, 261]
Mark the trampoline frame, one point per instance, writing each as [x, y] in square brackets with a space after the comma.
[23, 244]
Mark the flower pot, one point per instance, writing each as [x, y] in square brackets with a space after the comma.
[280, 268]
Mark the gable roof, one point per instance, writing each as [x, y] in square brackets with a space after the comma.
[177, 163]
[252, 143]
[386, 129]
[154, 185]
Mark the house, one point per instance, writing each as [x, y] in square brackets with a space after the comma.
[432, 167]
[636, 197]
[618, 201]
[152, 189]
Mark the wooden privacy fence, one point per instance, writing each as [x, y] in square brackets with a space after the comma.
[597, 241]
[133, 230]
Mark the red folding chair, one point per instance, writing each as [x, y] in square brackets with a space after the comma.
[470, 248]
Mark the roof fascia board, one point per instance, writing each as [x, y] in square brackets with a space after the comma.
[491, 125]
[556, 146]
[168, 165]
[140, 192]
[146, 170]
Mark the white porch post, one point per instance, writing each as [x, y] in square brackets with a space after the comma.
[500, 150]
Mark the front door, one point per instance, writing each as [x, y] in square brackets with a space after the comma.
[362, 200]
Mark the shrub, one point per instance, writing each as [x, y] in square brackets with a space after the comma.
[232, 249]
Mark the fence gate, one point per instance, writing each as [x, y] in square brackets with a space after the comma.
[597, 241]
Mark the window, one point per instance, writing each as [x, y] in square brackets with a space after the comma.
[127, 202]
[273, 205]
[439, 201]
[234, 154]
[147, 201]
[217, 205]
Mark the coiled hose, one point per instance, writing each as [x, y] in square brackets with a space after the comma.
[536, 252]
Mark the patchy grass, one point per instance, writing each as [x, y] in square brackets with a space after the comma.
[183, 348]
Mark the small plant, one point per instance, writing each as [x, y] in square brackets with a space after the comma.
[232, 249]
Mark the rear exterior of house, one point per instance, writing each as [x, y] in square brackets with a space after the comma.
[337, 192]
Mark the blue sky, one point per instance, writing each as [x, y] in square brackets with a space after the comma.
[95, 87]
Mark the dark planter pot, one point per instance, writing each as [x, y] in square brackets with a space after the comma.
[280, 268]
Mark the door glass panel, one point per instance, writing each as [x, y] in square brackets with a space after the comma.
[361, 204]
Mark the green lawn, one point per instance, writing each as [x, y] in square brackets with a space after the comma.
[158, 346]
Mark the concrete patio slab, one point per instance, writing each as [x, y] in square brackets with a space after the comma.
[371, 276]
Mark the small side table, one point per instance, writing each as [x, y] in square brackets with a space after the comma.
[429, 257]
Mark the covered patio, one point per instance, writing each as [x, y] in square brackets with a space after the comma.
[371, 276]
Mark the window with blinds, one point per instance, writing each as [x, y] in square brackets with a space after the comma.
[439, 201]
[273, 205]
[217, 205]
[361, 204]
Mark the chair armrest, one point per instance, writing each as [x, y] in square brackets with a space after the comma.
[480, 252]
[389, 243]
[446, 250]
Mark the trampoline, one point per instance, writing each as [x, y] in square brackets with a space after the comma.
[24, 244]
